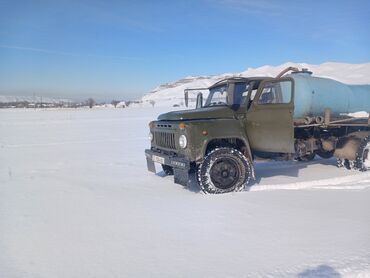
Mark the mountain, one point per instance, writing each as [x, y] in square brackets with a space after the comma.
[171, 94]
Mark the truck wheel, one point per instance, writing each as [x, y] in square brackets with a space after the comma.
[325, 154]
[224, 170]
[307, 157]
[345, 163]
[168, 170]
[362, 162]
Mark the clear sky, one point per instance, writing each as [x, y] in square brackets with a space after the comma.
[122, 49]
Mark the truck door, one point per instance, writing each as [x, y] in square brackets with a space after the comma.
[269, 120]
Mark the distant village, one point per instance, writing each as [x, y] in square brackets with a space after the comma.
[54, 103]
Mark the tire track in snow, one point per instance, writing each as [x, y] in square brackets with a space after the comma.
[354, 182]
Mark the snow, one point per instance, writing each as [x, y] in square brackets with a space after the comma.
[76, 200]
[121, 104]
[360, 114]
[105, 105]
[173, 93]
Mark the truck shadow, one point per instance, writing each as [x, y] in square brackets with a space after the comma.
[285, 168]
[192, 185]
[265, 170]
[319, 271]
[161, 174]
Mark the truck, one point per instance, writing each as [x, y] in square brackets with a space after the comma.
[293, 116]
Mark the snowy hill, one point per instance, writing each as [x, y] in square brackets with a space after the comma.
[173, 93]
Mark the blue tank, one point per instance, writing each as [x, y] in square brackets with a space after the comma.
[314, 94]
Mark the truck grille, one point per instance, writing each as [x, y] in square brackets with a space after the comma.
[165, 139]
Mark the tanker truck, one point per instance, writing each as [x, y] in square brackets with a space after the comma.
[245, 119]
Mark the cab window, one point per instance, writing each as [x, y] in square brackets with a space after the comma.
[217, 96]
[276, 92]
[240, 92]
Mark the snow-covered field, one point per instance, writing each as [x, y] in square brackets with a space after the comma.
[76, 200]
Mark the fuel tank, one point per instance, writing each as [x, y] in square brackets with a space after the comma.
[313, 94]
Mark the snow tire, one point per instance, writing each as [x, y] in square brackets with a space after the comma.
[362, 161]
[307, 157]
[224, 170]
[325, 154]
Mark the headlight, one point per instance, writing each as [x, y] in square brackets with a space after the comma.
[150, 136]
[183, 141]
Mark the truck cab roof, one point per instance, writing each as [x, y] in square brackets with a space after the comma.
[238, 79]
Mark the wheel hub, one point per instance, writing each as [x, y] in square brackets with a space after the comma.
[224, 173]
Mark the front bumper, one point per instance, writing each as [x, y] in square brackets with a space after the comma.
[181, 166]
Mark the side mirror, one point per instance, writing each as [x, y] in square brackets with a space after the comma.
[186, 96]
[199, 100]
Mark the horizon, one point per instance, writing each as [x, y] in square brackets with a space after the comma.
[39, 97]
[123, 50]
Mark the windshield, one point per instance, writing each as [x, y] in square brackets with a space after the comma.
[217, 96]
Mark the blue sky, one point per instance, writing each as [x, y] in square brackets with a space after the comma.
[122, 49]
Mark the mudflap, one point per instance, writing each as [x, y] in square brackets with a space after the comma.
[150, 165]
[181, 167]
[182, 176]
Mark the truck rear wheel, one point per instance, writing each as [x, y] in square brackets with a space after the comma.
[306, 157]
[224, 170]
[325, 154]
[362, 162]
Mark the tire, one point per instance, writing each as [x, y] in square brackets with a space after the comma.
[362, 162]
[325, 154]
[307, 157]
[168, 170]
[224, 170]
[346, 164]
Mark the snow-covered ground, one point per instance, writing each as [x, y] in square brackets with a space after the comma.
[76, 200]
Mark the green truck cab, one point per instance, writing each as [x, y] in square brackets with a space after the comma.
[240, 121]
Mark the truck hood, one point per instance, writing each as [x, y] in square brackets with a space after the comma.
[198, 114]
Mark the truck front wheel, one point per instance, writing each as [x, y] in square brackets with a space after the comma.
[363, 155]
[224, 170]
